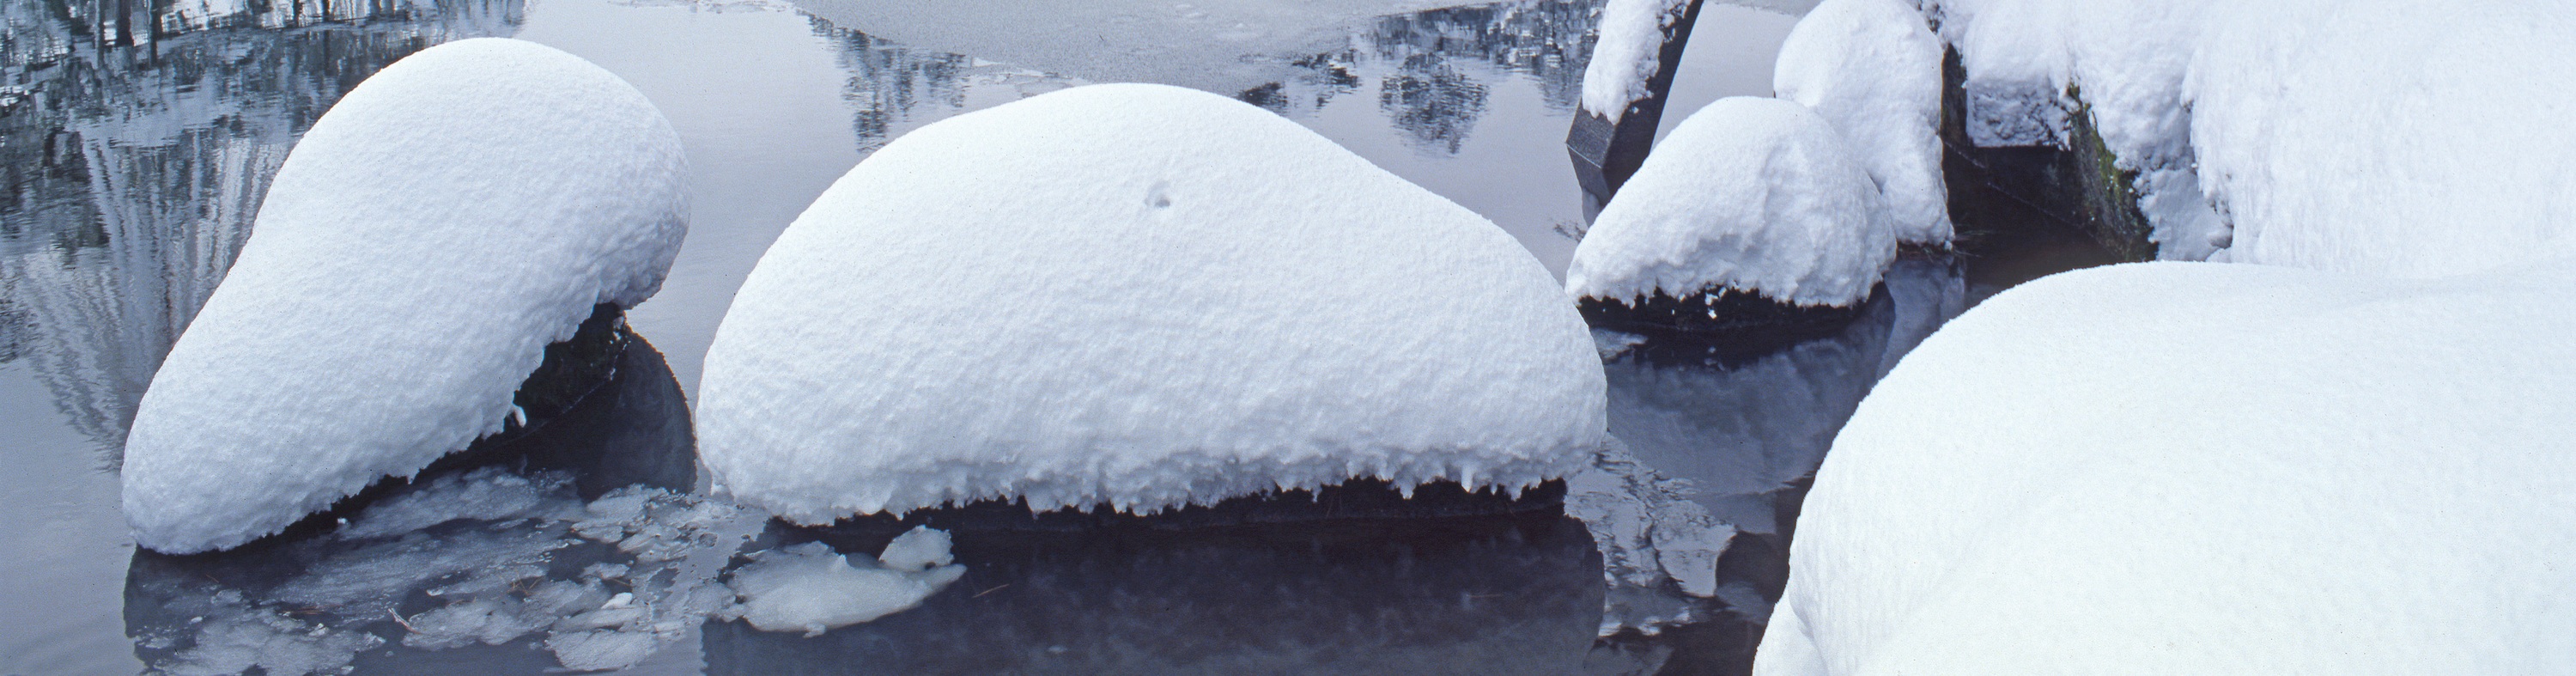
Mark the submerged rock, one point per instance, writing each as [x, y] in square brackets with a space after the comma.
[425, 242]
[1142, 297]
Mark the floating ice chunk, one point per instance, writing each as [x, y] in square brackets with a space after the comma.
[810, 588]
[433, 232]
[2284, 471]
[1657, 545]
[1627, 53]
[916, 550]
[1143, 297]
[1873, 69]
[1759, 195]
[232, 637]
[487, 494]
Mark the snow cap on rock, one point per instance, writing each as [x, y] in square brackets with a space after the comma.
[1754, 194]
[1137, 296]
[420, 247]
[1873, 69]
[2286, 471]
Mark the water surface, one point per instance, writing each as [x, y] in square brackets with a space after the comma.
[136, 153]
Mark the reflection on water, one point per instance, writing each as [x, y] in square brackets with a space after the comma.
[1695, 512]
[1491, 594]
[136, 149]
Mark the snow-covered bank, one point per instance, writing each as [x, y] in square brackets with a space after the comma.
[2398, 137]
[2405, 138]
[418, 250]
[1141, 297]
[2193, 468]
[1757, 195]
[1873, 69]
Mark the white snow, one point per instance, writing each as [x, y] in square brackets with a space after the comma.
[1223, 46]
[2404, 138]
[2200, 468]
[1627, 53]
[1873, 69]
[1754, 194]
[810, 588]
[916, 550]
[1142, 297]
[419, 248]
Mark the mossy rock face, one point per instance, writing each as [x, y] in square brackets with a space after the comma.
[1744, 324]
[2001, 195]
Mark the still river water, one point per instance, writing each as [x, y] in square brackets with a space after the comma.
[136, 153]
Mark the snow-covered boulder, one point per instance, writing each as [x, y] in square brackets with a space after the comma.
[419, 249]
[1137, 296]
[1751, 194]
[2196, 468]
[1873, 69]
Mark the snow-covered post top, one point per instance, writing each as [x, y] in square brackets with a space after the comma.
[420, 247]
[1753, 194]
[1873, 69]
[1627, 53]
[1143, 297]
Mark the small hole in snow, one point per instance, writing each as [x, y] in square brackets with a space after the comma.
[1161, 196]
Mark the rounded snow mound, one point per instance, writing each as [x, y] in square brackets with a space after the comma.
[1137, 296]
[1753, 194]
[2398, 138]
[1873, 69]
[420, 247]
[2202, 468]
